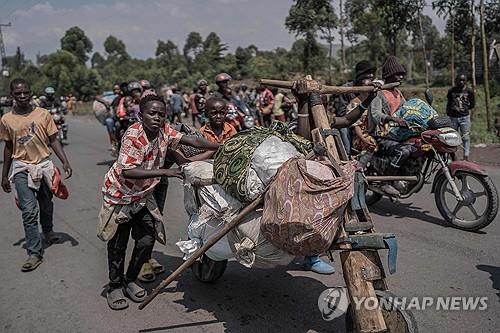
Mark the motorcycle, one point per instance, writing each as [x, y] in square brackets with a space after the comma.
[464, 194]
[240, 115]
[62, 127]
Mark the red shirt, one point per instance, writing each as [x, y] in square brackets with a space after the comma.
[137, 151]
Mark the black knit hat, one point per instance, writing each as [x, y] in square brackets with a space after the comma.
[362, 68]
[392, 67]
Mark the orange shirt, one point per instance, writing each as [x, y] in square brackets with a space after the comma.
[29, 134]
[227, 131]
[394, 99]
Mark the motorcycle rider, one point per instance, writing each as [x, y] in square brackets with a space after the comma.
[222, 81]
[147, 88]
[200, 101]
[110, 120]
[50, 102]
[364, 70]
[265, 101]
[225, 92]
[381, 112]
[135, 91]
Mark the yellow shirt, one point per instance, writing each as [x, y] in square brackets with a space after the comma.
[29, 134]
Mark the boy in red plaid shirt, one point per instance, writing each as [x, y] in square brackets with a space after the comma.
[129, 206]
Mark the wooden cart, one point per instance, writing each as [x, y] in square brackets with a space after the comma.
[358, 243]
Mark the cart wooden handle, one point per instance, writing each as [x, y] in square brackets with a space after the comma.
[198, 253]
[328, 89]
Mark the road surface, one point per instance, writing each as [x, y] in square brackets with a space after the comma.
[66, 293]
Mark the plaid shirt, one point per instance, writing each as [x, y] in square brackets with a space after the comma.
[137, 152]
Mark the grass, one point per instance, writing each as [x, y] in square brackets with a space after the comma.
[479, 131]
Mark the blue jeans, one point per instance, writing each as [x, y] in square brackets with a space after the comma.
[462, 125]
[110, 124]
[32, 204]
[345, 135]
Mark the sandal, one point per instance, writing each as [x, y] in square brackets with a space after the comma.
[135, 292]
[31, 263]
[116, 299]
[147, 273]
[157, 267]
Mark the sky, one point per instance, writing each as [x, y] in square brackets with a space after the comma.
[37, 26]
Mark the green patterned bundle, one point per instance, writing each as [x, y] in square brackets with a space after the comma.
[233, 159]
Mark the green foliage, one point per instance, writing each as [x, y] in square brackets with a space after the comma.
[77, 43]
[307, 18]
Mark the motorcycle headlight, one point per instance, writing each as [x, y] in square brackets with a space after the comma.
[57, 117]
[248, 122]
[450, 137]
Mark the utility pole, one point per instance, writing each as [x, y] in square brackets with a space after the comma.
[473, 50]
[486, 79]
[2, 46]
[422, 35]
[344, 67]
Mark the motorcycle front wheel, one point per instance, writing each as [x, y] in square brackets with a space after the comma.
[479, 207]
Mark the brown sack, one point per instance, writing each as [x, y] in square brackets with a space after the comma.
[304, 205]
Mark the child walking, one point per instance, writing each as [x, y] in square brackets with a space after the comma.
[129, 206]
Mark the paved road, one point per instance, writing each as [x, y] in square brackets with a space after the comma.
[65, 294]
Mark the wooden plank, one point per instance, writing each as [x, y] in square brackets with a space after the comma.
[198, 253]
[326, 89]
[366, 319]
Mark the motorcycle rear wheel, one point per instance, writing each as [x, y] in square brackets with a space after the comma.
[451, 208]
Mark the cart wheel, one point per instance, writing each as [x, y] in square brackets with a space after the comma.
[396, 319]
[208, 270]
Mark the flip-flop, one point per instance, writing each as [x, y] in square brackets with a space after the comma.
[157, 267]
[116, 299]
[135, 293]
[147, 273]
[31, 264]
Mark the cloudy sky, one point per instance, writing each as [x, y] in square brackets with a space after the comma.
[37, 26]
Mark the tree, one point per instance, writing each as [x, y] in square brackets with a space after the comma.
[213, 48]
[446, 9]
[76, 42]
[307, 18]
[67, 74]
[396, 17]
[193, 45]
[486, 82]
[168, 49]
[97, 60]
[365, 21]
[243, 57]
[115, 48]
[192, 48]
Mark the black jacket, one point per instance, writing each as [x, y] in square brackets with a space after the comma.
[460, 102]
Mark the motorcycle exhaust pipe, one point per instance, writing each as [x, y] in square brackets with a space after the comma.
[391, 178]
